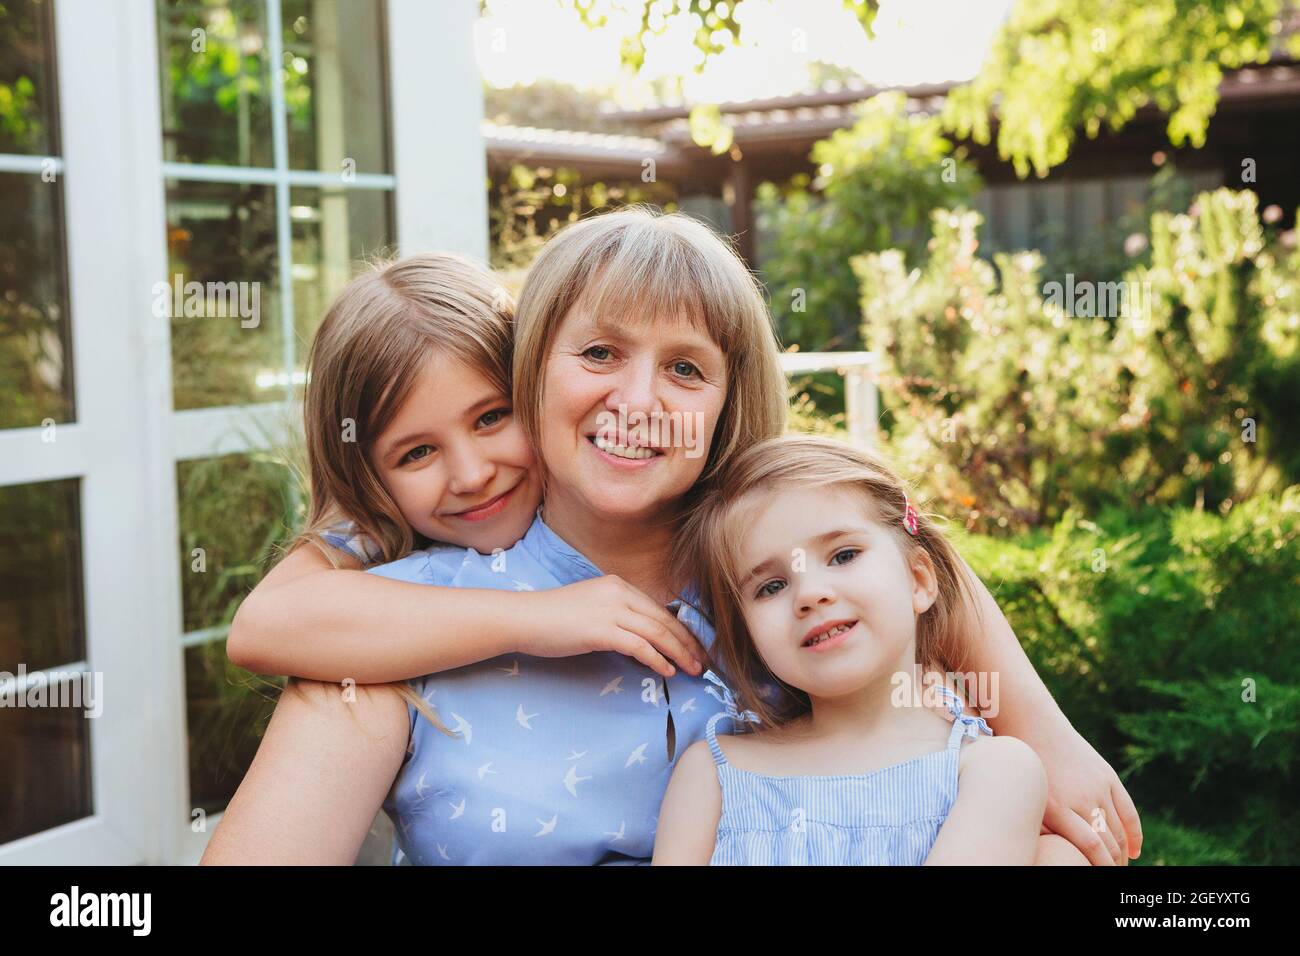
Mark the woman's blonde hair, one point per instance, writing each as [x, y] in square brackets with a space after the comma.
[649, 265]
[367, 354]
[710, 542]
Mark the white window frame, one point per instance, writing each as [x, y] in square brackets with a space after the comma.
[126, 440]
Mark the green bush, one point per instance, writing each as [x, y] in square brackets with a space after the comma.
[1168, 638]
[879, 180]
[1018, 400]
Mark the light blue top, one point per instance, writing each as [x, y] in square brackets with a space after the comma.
[889, 817]
[558, 760]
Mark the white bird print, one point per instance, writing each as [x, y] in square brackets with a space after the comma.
[688, 706]
[523, 718]
[637, 756]
[613, 687]
[547, 826]
[484, 771]
[457, 808]
[571, 779]
[420, 787]
[428, 698]
[574, 755]
[462, 726]
[400, 857]
[512, 670]
[622, 828]
[521, 586]
[442, 852]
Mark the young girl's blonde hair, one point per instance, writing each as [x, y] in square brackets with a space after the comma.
[645, 265]
[368, 352]
[712, 533]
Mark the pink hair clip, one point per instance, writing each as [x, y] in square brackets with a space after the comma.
[911, 519]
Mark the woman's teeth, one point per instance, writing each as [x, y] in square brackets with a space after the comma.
[621, 451]
[834, 631]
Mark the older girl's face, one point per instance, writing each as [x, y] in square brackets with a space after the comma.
[629, 410]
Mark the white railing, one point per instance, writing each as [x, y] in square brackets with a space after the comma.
[861, 398]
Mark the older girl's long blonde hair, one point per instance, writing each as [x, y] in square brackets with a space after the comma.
[367, 355]
[711, 535]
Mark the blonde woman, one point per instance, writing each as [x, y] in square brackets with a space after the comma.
[631, 327]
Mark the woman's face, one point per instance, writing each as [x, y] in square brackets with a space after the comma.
[456, 462]
[629, 411]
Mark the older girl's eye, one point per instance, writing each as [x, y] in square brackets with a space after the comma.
[685, 369]
[488, 419]
[591, 353]
[850, 552]
[768, 588]
[418, 452]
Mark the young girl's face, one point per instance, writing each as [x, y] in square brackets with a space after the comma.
[828, 595]
[456, 462]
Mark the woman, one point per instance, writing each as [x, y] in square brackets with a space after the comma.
[653, 319]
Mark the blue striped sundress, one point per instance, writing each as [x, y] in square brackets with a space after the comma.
[889, 817]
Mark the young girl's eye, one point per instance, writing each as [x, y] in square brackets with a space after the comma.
[591, 353]
[488, 419]
[768, 588]
[685, 369]
[417, 453]
[841, 554]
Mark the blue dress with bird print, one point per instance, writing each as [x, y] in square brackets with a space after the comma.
[554, 760]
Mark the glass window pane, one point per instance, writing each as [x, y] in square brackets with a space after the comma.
[221, 560]
[226, 330]
[215, 81]
[41, 621]
[334, 232]
[46, 754]
[334, 85]
[227, 710]
[28, 98]
[35, 350]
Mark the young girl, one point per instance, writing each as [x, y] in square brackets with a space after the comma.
[411, 439]
[825, 580]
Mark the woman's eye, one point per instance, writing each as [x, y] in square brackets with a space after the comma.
[591, 353]
[685, 369]
[487, 419]
[418, 452]
[770, 587]
[850, 552]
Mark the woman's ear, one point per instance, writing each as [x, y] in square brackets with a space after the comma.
[925, 583]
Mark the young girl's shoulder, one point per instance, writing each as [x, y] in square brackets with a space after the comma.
[1009, 758]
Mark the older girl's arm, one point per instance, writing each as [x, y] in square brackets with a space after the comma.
[319, 777]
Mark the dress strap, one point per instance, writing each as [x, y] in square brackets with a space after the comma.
[963, 725]
[722, 693]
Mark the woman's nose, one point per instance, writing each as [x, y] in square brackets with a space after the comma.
[636, 388]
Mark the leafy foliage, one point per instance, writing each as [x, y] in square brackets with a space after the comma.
[1167, 636]
[1058, 66]
[880, 179]
[1015, 405]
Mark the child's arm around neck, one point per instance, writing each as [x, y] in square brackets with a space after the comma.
[309, 619]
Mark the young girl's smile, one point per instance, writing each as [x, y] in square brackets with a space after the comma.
[827, 592]
[456, 462]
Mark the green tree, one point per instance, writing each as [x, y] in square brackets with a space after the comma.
[1058, 66]
[879, 180]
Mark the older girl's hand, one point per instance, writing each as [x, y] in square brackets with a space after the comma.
[1086, 803]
